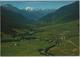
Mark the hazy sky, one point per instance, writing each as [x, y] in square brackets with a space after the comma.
[37, 4]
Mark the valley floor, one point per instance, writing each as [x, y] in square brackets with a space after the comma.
[58, 40]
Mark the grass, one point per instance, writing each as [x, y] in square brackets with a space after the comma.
[27, 47]
[66, 48]
[69, 45]
[69, 31]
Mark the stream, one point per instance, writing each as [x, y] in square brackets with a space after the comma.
[44, 51]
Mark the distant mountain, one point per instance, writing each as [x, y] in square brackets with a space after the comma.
[64, 14]
[28, 8]
[36, 14]
[11, 17]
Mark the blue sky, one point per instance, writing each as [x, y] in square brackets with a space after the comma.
[37, 4]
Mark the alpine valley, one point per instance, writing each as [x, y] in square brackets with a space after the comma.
[40, 32]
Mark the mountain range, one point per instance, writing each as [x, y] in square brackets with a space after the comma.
[53, 32]
[36, 14]
[64, 14]
[12, 17]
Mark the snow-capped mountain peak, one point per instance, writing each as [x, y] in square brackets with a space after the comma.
[29, 8]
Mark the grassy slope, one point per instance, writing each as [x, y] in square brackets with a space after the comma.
[67, 46]
[29, 48]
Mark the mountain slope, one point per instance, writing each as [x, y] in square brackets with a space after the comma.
[11, 17]
[62, 25]
[64, 30]
[64, 14]
[36, 14]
